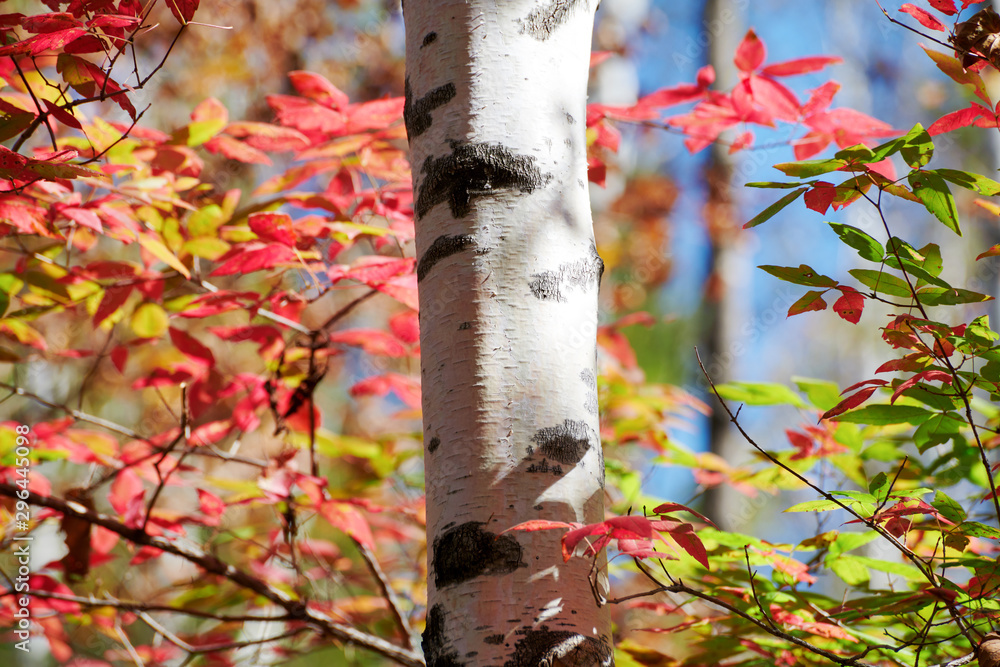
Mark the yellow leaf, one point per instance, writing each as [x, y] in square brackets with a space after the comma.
[150, 321]
[162, 253]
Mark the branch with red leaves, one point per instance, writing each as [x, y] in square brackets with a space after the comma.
[297, 610]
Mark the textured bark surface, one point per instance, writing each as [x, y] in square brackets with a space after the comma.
[509, 274]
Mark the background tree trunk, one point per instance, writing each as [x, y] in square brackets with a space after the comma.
[726, 306]
[509, 275]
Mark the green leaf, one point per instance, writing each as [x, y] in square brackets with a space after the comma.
[970, 181]
[13, 124]
[879, 486]
[940, 296]
[814, 506]
[803, 275]
[978, 330]
[976, 529]
[880, 281]
[850, 541]
[774, 208]
[934, 193]
[866, 246]
[918, 148]
[850, 569]
[760, 393]
[856, 153]
[932, 258]
[937, 430]
[775, 185]
[881, 415]
[948, 508]
[811, 300]
[891, 147]
[198, 132]
[902, 569]
[821, 393]
[809, 168]
[916, 271]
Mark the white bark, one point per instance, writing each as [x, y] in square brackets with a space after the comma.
[496, 113]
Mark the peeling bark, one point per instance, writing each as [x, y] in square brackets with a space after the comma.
[508, 277]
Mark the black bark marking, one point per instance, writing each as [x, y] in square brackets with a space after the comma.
[563, 647]
[590, 401]
[467, 551]
[433, 641]
[433, 444]
[542, 22]
[443, 246]
[473, 171]
[549, 285]
[429, 39]
[566, 443]
[496, 640]
[545, 468]
[464, 325]
[417, 114]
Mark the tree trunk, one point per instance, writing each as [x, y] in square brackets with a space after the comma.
[725, 296]
[508, 273]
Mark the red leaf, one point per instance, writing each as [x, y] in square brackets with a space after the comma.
[235, 149]
[776, 99]
[598, 57]
[211, 433]
[273, 227]
[268, 137]
[850, 402]
[126, 487]
[183, 10]
[191, 347]
[800, 66]
[372, 341]
[820, 98]
[112, 300]
[992, 252]
[63, 116]
[119, 357]
[743, 140]
[242, 260]
[956, 119]
[317, 88]
[371, 269]
[850, 305]
[923, 16]
[666, 508]
[686, 538]
[540, 524]
[931, 375]
[407, 389]
[406, 327]
[53, 22]
[820, 196]
[210, 109]
[944, 6]
[750, 53]
[909, 363]
[211, 506]
[44, 42]
[349, 520]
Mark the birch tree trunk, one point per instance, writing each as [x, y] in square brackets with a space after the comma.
[509, 273]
